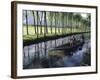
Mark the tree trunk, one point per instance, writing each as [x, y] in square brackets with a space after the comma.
[37, 24]
[34, 21]
[27, 23]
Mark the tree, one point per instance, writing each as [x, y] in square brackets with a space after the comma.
[70, 18]
[55, 23]
[78, 18]
[45, 24]
[89, 21]
[34, 21]
[51, 19]
[27, 23]
[37, 24]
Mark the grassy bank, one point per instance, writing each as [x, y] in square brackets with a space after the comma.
[32, 35]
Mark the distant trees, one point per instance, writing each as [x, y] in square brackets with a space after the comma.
[45, 22]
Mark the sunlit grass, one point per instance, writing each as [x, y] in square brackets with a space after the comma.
[33, 35]
[31, 30]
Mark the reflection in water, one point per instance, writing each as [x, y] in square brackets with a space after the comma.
[56, 53]
[77, 58]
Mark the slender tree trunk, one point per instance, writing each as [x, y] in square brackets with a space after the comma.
[51, 21]
[62, 22]
[55, 23]
[66, 22]
[46, 30]
[41, 22]
[59, 23]
[34, 21]
[44, 23]
[27, 23]
[37, 24]
[72, 24]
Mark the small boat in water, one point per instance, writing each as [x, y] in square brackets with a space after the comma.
[81, 57]
[68, 47]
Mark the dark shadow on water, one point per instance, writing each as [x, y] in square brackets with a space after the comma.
[65, 55]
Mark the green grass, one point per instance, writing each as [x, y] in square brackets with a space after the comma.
[31, 30]
[32, 34]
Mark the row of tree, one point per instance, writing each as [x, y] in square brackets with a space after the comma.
[58, 21]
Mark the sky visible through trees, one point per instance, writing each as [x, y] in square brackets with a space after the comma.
[49, 22]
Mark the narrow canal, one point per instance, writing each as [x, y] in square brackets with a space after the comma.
[68, 51]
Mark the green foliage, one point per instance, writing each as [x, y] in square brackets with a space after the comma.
[47, 23]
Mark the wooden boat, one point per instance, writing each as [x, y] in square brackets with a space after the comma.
[68, 49]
